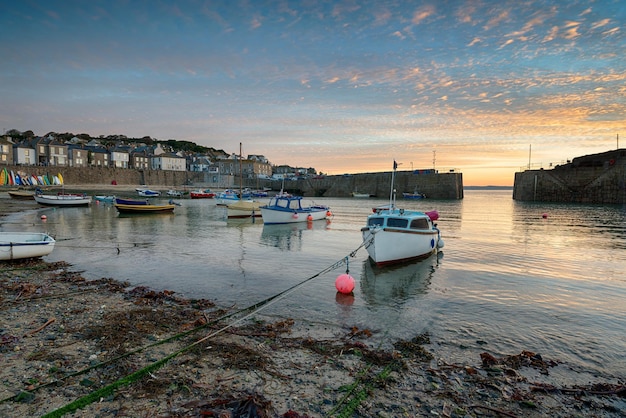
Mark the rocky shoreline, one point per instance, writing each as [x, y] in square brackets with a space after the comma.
[99, 348]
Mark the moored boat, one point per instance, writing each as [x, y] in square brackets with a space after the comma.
[360, 195]
[21, 194]
[121, 201]
[414, 195]
[227, 197]
[18, 245]
[392, 235]
[289, 209]
[202, 194]
[104, 199]
[147, 192]
[143, 208]
[62, 199]
[174, 193]
[244, 209]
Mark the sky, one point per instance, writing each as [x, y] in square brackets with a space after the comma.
[485, 88]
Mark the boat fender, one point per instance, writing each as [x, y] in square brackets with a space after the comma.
[295, 215]
[309, 218]
[440, 243]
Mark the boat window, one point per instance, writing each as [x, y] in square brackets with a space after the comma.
[420, 223]
[397, 222]
[376, 222]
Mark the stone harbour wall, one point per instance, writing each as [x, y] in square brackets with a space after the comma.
[596, 179]
[433, 185]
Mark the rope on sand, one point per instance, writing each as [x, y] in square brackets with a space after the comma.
[133, 377]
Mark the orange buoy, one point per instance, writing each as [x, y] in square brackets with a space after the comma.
[309, 218]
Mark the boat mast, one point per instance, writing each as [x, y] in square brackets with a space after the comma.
[391, 192]
[240, 174]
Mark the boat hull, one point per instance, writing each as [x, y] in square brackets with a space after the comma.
[148, 193]
[21, 195]
[62, 200]
[20, 245]
[201, 195]
[392, 246]
[413, 196]
[121, 208]
[130, 201]
[287, 216]
[244, 209]
[104, 199]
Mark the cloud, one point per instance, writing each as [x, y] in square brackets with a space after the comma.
[496, 20]
[572, 30]
[422, 13]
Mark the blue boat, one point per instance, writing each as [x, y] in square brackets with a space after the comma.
[130, 201]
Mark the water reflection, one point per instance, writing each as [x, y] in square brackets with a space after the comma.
[289, 237]
[397, 284]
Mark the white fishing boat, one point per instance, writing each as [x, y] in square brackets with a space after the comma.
[393, 235]
[62, 199]
[18, 245]
[104, 198]
[289, 209]
[147, 192]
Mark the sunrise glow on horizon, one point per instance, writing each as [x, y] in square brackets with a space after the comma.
[484, 88]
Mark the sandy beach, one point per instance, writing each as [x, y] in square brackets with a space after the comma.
[101, 348]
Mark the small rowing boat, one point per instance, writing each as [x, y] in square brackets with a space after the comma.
[18, 245]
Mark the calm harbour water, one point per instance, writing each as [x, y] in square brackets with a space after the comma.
[507, 280]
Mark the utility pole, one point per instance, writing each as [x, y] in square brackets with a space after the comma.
[434, 159]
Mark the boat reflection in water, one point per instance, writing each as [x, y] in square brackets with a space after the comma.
[289, 237]
[394, 285]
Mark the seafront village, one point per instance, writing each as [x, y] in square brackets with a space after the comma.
[102, 348]
[117, 151]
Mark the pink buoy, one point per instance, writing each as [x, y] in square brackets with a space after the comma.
[544, 216]
[44, 217]
[294, 216]
[344, 283]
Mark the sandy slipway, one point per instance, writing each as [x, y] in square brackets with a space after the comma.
[99, 348]
[79, 348]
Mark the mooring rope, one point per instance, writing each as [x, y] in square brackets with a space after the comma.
[250, 311]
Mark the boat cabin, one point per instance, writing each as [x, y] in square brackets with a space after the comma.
[400, 222]
[293, 202]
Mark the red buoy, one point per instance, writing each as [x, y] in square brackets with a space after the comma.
[344, 283]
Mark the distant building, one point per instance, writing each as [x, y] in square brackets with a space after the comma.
[6, 150]
[168, 162]
[98, 156]
[119, 157]
[78, 156]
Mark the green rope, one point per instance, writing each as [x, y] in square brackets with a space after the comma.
[109, 389]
